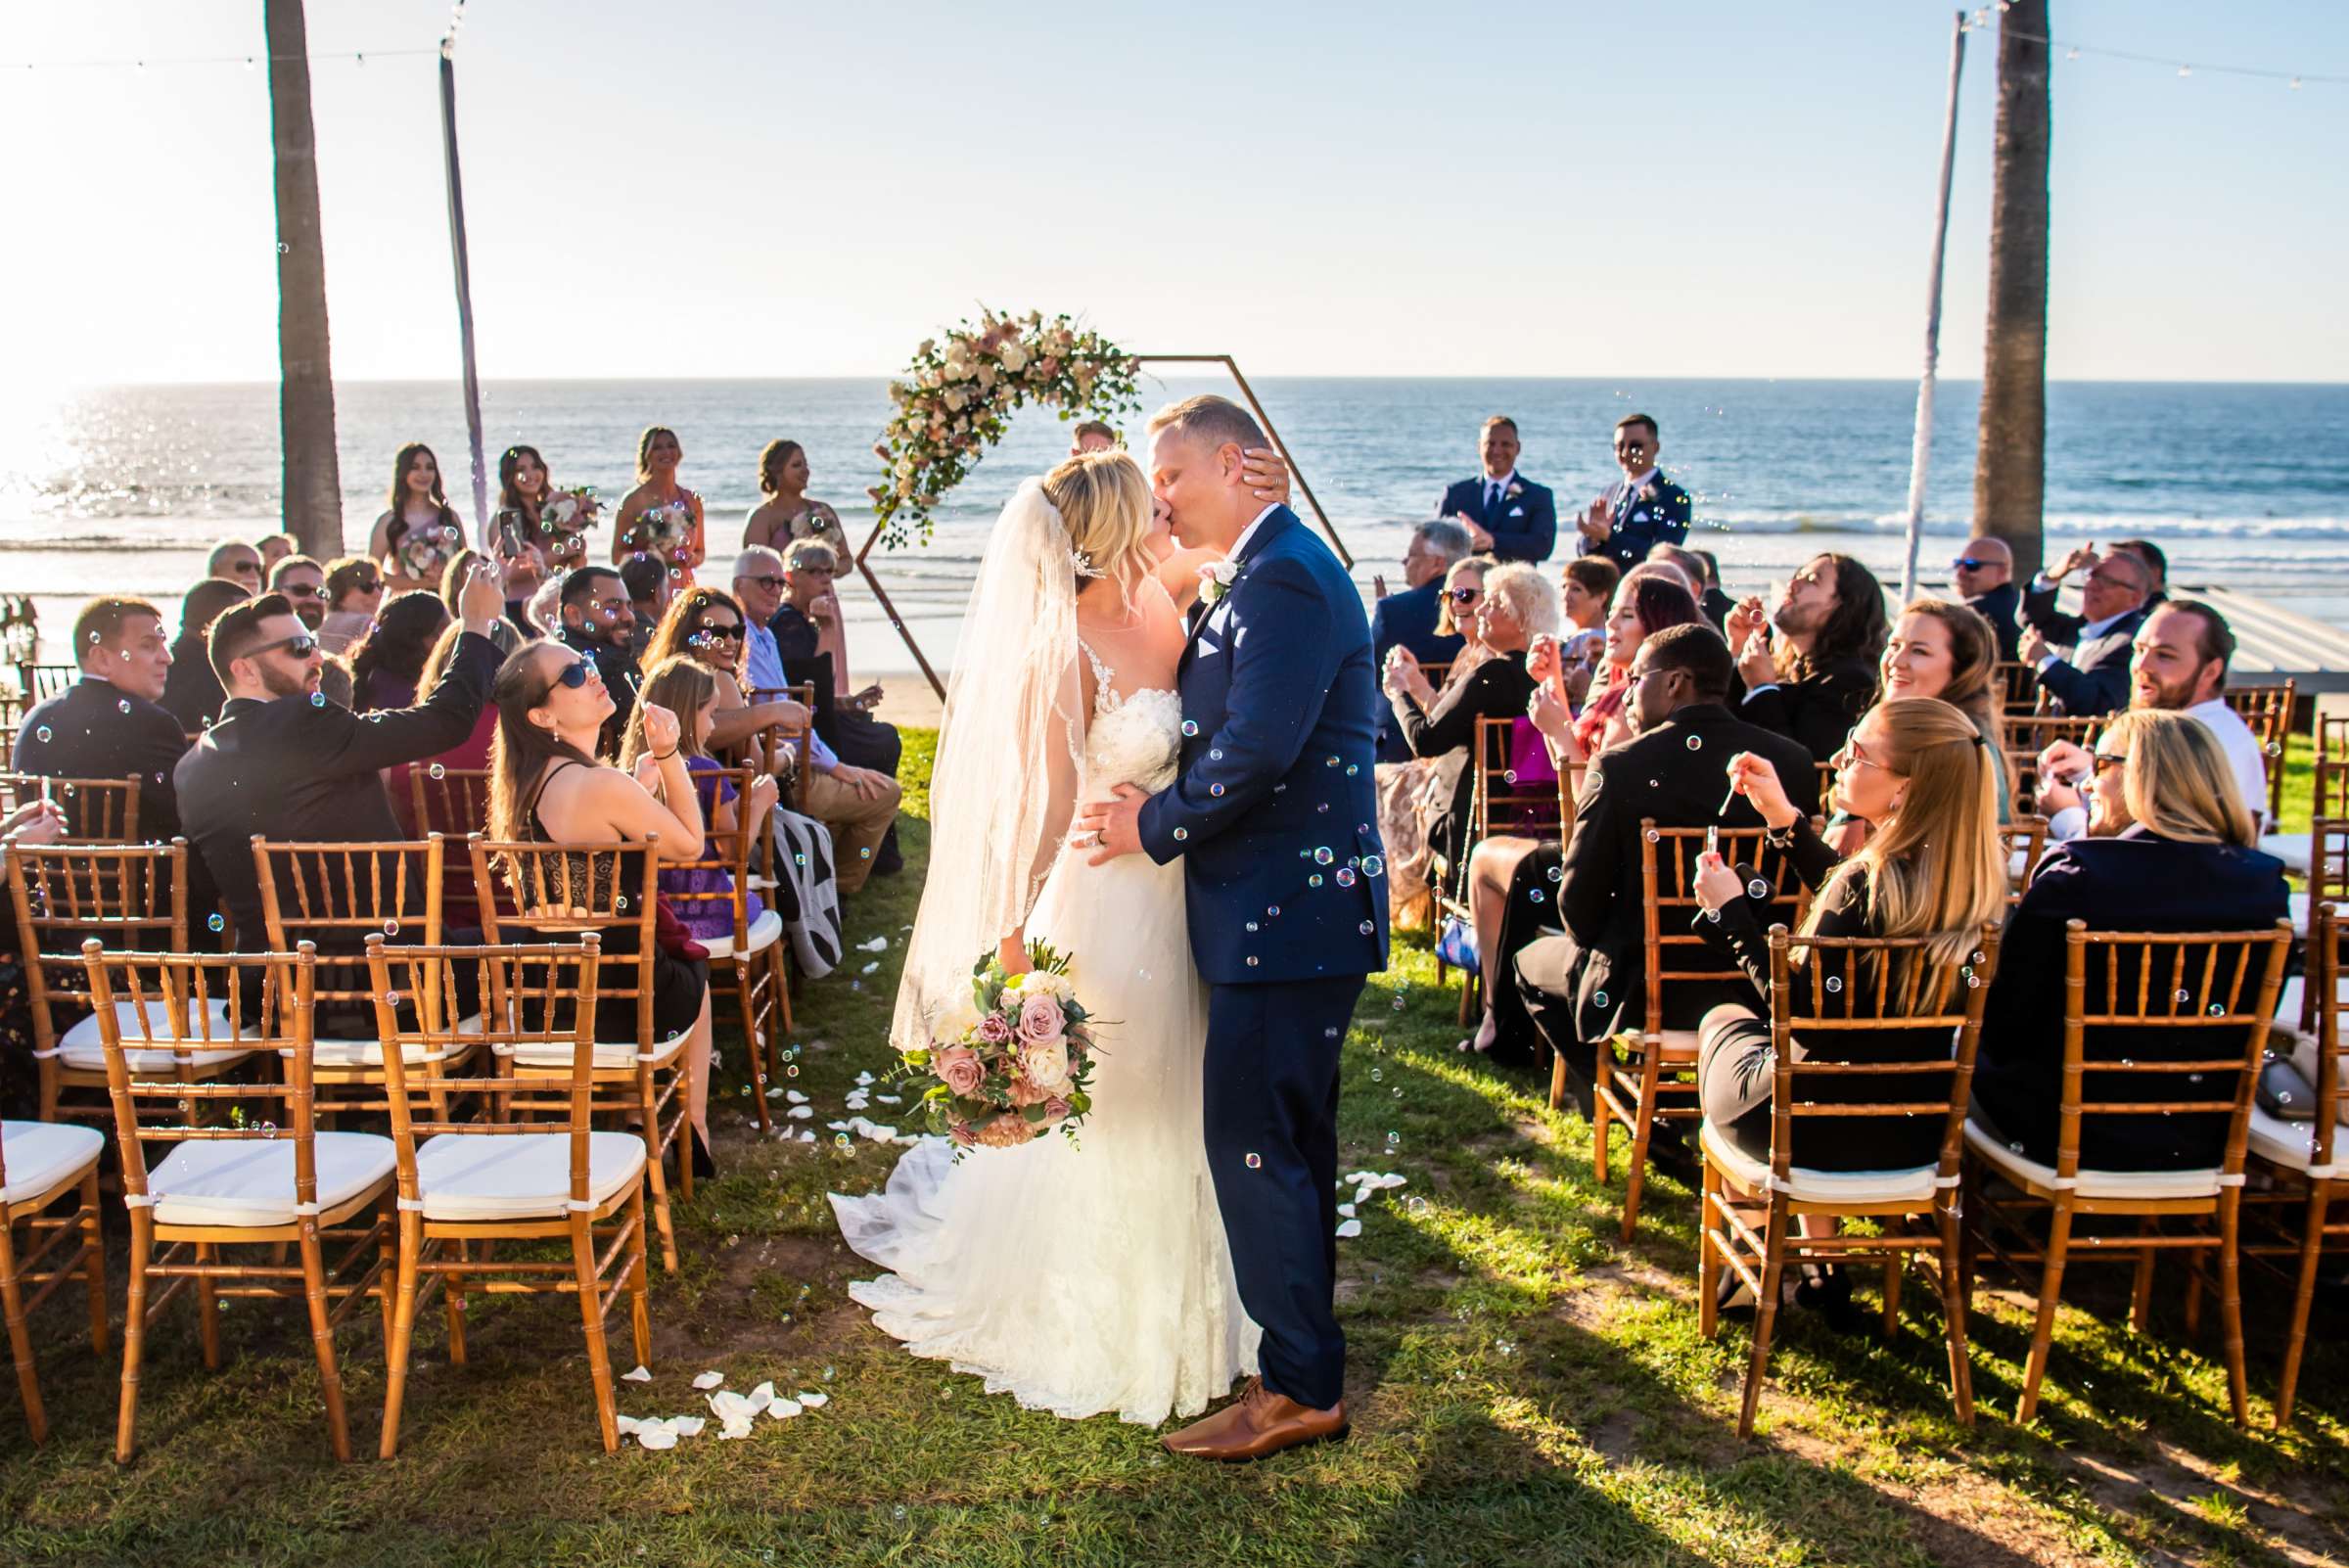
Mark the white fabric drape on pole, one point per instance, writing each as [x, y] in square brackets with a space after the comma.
[1920, 455]
[456, 245]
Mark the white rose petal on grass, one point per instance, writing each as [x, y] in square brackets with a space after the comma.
[783, 1410]
[688, 1425]
[869, 968]
[806, 1137]
[656, 1435]
[1346, 1211]
[813, 1401]
[1348, 1229]
[639, 1375]
[708, 1380]
[734, 1431]
[877, 945]
[864, 1079]
[801, 1112]
[626, 1425]
[890, 1099]
[795, 1096]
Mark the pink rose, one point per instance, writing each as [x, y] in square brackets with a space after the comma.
[1041, 1019]
[1056, 1109]
[962, 1134]
[960, 1069]
[995, 1028]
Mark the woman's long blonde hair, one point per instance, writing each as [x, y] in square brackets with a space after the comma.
[1104, 502]
[1445, 626]
[2177, 782]
[1936, 868]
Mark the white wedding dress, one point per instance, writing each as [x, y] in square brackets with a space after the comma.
[1092, 1277]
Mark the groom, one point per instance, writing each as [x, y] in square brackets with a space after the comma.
[1275, 813]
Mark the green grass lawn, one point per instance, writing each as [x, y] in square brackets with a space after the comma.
[1525, 1390]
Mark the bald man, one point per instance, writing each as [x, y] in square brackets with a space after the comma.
[1983, 572]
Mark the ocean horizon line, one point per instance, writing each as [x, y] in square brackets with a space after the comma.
[1199, 373]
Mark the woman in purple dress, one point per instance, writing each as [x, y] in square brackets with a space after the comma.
[687, 688]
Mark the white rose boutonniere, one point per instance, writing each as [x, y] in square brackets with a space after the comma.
[1216, 579]
[1514, 491]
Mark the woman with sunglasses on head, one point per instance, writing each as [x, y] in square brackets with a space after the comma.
[387, 665]
[2169, 845]
[548, 786]
[1918, 771]
[355, 591]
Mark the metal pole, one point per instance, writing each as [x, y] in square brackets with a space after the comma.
[1920, 455]
[456, 245]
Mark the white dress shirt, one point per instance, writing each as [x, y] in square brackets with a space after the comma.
[1494, 496]
[1240, 544]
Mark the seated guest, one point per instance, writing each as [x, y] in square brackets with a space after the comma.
[1984, 574]
[811, 637]
[110, 723]
[1507, 515]
[1686, 562]
[471, 753]
[787, 513]
[707, 625]
[355, 591]
[688, 689]
[1817, 675]
[651, 583]
[2179, 665]
[1091, 436]
[279, 764]
[1716, 604]
[233, 561]
[1933, 869]
[599, 620]
[388, 665]
[1586, 594]
[1517, 605]
[191, 693]
[2170, 846]
[2095, 678]
[275, 547]
[1647, 601]
[547, 786]
[301, 582]
[1949, 650]
[2040, 596]
[1407, 619]
[1642, 510]
[1582, 987]
[1412, 794]
[419, 532]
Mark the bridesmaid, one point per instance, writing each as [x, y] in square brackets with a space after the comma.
[787, 514]
[660, 516]
[532, 546]
[419, 532]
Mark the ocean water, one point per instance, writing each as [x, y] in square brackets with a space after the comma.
[125, 488]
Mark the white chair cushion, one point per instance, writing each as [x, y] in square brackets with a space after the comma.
[2289, 847]
[2292, 1144]
[82, 1049]
[609, 1054]
[250, 1184]
[42, 1154]
[764, 931]
[2145, 1184]
[2288, 1001]
[1806, 1185]
[370, 1052]
[520, 1176]
[2296, 905]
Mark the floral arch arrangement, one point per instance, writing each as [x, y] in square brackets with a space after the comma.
[957, 395]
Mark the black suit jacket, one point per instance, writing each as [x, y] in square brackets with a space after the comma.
[1498, 689]
[1658, 776]
[191, 693]
[86, 731]
[1999, 607]
[1819, 710]
[1717, 606]
[2094, 679]
[1659, 512]
[1523, 519]
[1407, 619]
[294, 770]
[2132, 883]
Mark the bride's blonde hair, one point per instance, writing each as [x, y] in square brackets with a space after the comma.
[1105, 503]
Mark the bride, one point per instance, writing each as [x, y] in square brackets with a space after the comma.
[1079, 1279]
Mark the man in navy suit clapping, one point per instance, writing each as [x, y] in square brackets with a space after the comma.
[1645, 509]
[1506, 516]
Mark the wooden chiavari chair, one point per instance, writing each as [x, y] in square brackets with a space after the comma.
[8, 746]
[778, 748]
[2025, 838]
[2268, 709]
[97, 811]
[42, 1163]
[40, 682]
[751, 955]
[554, 892]
[464, 1186]
[335, 896]
[128, 898]
[1648, 1075]
[237, 1179]
[1500, 804]
[2018, 686]
[1850, 993]
[2188, 982]
[450, 800]
[2029, 734]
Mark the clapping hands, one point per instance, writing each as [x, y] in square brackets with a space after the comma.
[34, 822]
[1598, 521]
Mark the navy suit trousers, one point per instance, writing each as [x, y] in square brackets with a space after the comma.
[1272, 1124]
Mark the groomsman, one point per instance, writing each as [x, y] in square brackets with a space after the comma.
[1506, 516]
[1645, 509]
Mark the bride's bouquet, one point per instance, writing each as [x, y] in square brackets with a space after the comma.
[1015, 1062]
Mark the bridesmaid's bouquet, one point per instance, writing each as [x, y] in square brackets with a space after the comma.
[1014, 1063]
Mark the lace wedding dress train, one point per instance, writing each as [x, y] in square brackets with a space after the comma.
[1093, 1278]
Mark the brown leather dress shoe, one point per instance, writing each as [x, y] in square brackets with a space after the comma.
[1257, 1423]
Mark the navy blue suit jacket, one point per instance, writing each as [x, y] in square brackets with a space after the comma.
[1275, 810]
[1657, 513]
[1523, 521]
[1407, 619]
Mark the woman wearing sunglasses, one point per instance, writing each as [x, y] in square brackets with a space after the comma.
[705, 624]
[355, 591]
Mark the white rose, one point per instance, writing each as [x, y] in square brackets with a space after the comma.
[563, 508]
[954, 399]
[1015, 357]
[954, 1020]
[1039, 982]
[1046, 1066]
[987, 374]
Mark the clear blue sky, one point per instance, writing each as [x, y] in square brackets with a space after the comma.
[718, 187]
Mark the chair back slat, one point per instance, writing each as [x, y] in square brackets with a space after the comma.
[771, 744]
[534, 893]
[450, 800]
[335, 896]
[2025, 838]
[1668, 896]
[2325, 972]
[131, 897]
[2026, 735]
[97, 811]
[2018, 685]
[40, 682]
[161, 1003]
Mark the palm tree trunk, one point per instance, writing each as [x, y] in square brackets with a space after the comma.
[313, 484]
[2011, 461]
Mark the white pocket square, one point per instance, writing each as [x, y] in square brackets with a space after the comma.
[1516, 511]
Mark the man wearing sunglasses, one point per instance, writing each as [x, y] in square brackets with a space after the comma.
[301, 582]
[237, 562]
[1984, 576]
[286, 764]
